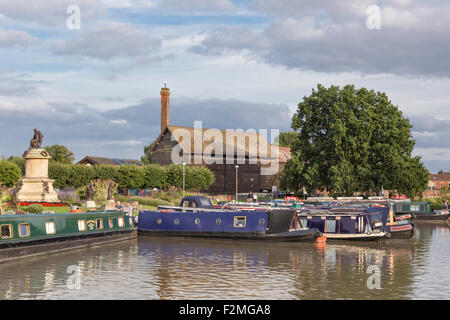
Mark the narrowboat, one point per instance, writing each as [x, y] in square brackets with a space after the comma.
[395, 228]
[342, 226]
[347, 223]
[420, 211]
[34, 234]
[270, 225]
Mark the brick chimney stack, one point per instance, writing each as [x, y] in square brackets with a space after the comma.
[165, 93]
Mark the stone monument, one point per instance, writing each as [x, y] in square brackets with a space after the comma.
[36, 186]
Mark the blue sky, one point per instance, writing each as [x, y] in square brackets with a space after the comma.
[232, 64]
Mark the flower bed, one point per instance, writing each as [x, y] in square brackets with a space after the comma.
[44, 204]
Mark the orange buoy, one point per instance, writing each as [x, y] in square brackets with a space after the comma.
[321, 241]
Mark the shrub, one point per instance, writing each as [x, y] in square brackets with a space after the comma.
[60, 173]
[80, 175]
[34, 208]
[105, 172]
[130, 176]
[155, 176]
[9, 173]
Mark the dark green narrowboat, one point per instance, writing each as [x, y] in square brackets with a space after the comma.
[33, 234]
[422, 211]
[411, 207]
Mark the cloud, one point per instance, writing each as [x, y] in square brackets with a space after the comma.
[49, 12]
[13, 38]
[332, 36]
[111, 41]
[430, 132]
[123, 132]
[175, 6]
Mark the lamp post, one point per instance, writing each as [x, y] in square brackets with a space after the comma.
[236, 182]
[184, 165]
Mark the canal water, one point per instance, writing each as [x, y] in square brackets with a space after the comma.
[186, 268]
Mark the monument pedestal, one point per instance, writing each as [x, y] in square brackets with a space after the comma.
[36, 186]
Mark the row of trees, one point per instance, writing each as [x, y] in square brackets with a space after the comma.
[352, 140]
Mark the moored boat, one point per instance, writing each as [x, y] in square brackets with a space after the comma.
[420, 211]
[342, 226]
[34, 234]
[373, 223]
[270, 225]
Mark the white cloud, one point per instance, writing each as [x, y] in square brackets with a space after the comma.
[110, 41]
[49, 12]
[13, 38]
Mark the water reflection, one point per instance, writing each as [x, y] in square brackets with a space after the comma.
[184, 268]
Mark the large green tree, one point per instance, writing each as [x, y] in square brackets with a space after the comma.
[9, 173]
[352, 140]
[60, 153]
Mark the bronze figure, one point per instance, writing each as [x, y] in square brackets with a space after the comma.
[36, 142]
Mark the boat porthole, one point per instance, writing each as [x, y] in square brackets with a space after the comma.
[197, 221]
[218, 221]
[159, 221]
[261, 221]
[176, 221]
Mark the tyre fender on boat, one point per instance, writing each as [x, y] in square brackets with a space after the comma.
[388, 235]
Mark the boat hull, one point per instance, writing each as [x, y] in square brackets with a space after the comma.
[13, 251]
[290, 236]
[426, 216]
[262, 225]
[355, 237]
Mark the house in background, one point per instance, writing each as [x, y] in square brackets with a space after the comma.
[92, 161]
[246, 150]
[438, 185]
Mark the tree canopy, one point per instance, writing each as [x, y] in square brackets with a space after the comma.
[350, 140]
[286, 139]
[10, 173]
[60, 153]
[147, 158]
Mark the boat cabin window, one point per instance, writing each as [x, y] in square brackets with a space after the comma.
[99, 223]
[415, 207]
[81, 225]
[240, 222]
[50, 227]
[24, 229]
[111, 225]
[330, 226]
[190, 204]
[120, 221]
[6, 231]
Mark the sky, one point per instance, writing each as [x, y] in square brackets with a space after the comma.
[87, 73]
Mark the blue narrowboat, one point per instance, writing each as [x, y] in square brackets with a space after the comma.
[341, 226]
[343, 223]
[272, 225]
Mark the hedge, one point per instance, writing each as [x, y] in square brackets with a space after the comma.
[131, 176]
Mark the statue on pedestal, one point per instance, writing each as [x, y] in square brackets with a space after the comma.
[36, 185]
[36, 142]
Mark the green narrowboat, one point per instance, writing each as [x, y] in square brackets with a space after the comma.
[422, 211]
[412, 207]
[33, 234]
